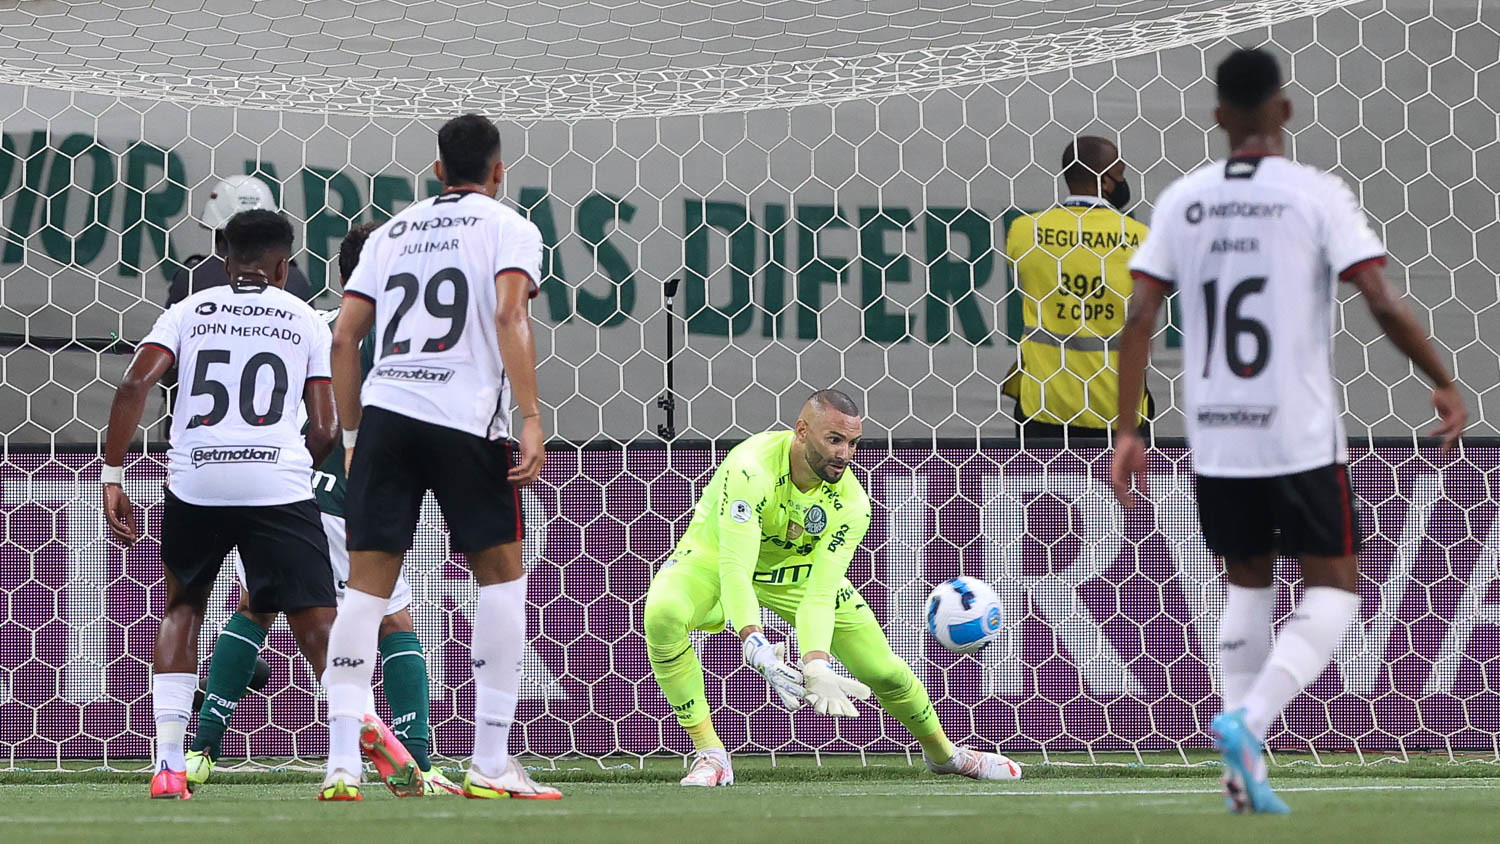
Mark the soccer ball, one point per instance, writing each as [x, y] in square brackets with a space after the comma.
[964, 614]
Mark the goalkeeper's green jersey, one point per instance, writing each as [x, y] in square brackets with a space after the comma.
[763, 534]
[330, 484]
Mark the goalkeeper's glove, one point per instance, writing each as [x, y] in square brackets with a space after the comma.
[770, 661]
[828, 693]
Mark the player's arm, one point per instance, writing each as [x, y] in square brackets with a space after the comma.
[827, 692]
[322, 420]
[1401, 325]
[1135, 352]
[356, 315]
[518, 353]
[745, 490]
[150, 363]
[830, 563]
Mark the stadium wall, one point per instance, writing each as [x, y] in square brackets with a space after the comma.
[1110, 614]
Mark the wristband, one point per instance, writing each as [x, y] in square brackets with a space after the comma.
[350, 436]
[112, 475]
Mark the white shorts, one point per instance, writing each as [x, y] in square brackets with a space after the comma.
[338, 555]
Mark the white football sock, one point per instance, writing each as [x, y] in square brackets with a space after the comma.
[346, 677]
[1302, 651]
[1244, 640]
[172, 705]
[499, 642]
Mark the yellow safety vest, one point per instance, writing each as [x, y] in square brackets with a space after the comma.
[1072, 273]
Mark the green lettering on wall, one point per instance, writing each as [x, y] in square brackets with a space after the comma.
[814, 268]
[154, 194]
[326, 225]
[880, 268]
[773, 277]
[595, 214]
[81, 248]
[535, 206]
[732, 218]
[1015, 303]
[389, 194]
[22, 213]
[952, 281]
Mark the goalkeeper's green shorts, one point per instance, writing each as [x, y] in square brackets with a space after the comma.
[694, 590]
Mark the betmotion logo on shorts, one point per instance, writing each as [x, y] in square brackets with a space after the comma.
[1231, 416]
[235, 454]
[413, 373]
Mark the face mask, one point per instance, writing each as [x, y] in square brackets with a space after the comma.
[1119, 196]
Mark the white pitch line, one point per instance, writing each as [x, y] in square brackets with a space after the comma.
[1488, 784]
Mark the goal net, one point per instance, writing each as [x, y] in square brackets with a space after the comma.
[831, 180]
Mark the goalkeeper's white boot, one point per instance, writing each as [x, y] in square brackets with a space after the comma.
[976, 765]
[710, 768]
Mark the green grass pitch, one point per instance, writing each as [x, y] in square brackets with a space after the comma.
[840, 802]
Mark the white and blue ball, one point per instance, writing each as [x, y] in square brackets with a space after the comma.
[964, 614]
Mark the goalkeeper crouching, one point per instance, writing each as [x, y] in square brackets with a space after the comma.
[776, 527]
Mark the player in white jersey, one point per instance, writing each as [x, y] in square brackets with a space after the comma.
[446, 285]
[240, 469]
[1254, 246]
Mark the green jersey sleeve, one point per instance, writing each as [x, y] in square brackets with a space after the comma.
[830, 564]
[747, 487]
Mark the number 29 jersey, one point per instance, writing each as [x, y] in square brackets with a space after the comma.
[430, 273]
[244, 355]
[1255, 247]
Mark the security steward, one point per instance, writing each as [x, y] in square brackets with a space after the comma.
[1071, 271]
[229, 197]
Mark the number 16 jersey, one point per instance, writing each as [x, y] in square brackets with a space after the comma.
[244, 355]
[1255, 247]
[430, 272]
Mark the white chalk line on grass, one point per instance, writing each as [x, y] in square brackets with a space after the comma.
[1105, 792]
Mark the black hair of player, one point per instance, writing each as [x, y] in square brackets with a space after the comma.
[1085, 160]
[835, 400]
[468, 146]
[1246, 79]
[251, 234]
[349, 249]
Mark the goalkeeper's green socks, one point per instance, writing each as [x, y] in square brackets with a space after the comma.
[235, 653]
[406, 690]
[704, 736]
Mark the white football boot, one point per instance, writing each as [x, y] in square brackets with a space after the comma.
[710, 768]
[514, 783]
[976, 765]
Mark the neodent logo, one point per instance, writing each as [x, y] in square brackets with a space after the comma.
[422, 374]
[235, 454]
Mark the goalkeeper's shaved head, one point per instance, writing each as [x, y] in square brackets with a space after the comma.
[828, 431]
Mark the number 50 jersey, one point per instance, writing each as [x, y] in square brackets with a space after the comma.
[244, 355]
[430, 272]
[1255, 247]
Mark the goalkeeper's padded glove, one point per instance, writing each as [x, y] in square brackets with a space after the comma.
[828, 693]
[770, 661]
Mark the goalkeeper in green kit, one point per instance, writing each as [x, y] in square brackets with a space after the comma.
[776, 527]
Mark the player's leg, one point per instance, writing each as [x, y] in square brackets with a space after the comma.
[391, 757]
[468, 476]
[231, 670]
[861, 645]
[683, 598]
[405, 683]
[382, 506]
[193, 544]
[1315, 513]
[1239, 525]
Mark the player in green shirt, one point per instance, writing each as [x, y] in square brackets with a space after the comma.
[404, 667]
[776, 527]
